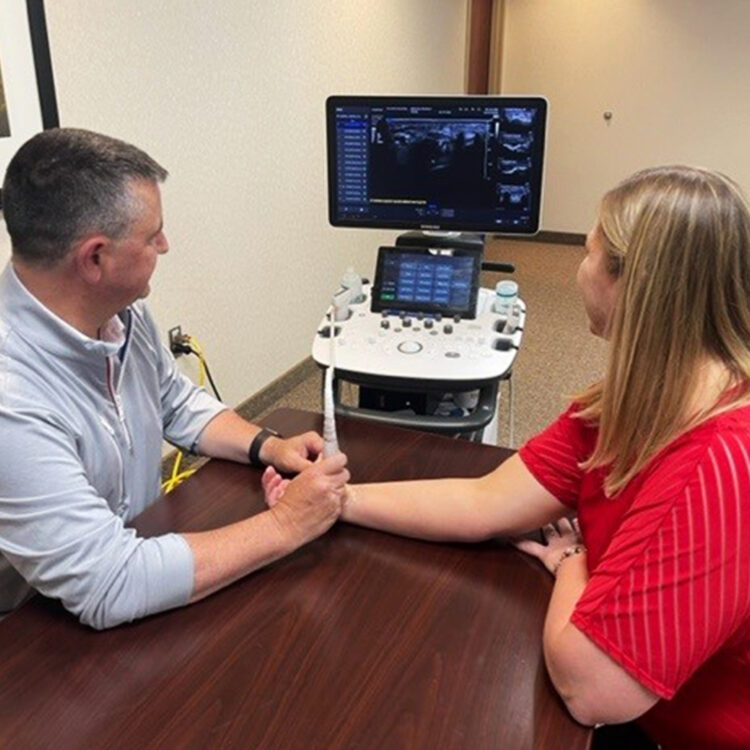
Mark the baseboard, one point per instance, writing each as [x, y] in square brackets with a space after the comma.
[260, 401]
[555, 238]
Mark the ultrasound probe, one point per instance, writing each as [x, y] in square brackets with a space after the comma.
[330, 441]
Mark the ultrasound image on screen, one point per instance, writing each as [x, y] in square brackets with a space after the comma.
[431, 160]
[466, 163]
[519, 115]
[517, 143]
[514, 196]
[515, 166]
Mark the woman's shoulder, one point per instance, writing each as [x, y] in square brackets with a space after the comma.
[718, 448]
[734, 419]
[733, 423]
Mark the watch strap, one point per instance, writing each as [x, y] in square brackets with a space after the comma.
[253, 452]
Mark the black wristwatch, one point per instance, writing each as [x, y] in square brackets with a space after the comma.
[253, 452]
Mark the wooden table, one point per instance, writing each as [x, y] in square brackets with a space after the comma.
[359, 640]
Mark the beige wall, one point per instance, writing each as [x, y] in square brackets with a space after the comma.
[674, 73]
[229, 96]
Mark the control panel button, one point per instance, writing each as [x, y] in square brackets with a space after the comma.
[325, 331]
[410, 347]
[428, 323]
[500, 324]
[457, 318]
[447, 328]
[452, 355]
[385, 323]
[407, 322]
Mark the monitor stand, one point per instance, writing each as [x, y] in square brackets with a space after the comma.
[457, 240]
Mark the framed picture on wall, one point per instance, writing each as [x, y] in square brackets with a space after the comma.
[27, 91]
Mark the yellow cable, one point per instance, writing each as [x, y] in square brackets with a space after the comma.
[176, 476]
[176, 467]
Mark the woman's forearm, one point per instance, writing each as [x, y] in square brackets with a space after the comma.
[434, 509]
[507, 501]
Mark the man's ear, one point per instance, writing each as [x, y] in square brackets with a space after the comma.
[89, 256]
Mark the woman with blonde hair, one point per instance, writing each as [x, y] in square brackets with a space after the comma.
[650, 612]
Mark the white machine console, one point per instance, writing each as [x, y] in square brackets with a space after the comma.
[424, 346]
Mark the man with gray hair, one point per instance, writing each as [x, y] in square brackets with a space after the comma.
[88, 392]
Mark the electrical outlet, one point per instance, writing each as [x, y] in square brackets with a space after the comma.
[177, 343]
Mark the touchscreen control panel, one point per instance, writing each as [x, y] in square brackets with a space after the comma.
[422, 280]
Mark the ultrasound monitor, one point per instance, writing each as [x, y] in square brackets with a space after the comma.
[471, 163]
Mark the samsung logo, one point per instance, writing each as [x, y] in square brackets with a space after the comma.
[429, 226]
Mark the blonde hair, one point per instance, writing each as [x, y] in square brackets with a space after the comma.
[679, 239]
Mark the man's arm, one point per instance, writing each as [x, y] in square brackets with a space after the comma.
[310, 505]
[61, 536]
[194, 419]
[229, 436]
[507, 501]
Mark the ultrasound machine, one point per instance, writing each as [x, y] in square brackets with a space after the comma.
[426, 346]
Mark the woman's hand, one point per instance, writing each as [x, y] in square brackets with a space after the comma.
[558, 538]
[274, 486]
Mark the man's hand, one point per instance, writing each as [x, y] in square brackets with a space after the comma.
[293, 454]
[301, 509]
[308, 505]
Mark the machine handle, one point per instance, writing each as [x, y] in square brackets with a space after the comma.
[489, 265]
[479, 418]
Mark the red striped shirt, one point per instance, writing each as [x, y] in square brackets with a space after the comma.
[669, 561]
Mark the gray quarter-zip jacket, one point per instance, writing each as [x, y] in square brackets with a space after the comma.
[81, 425]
